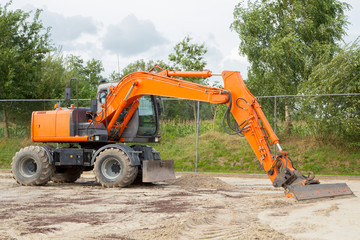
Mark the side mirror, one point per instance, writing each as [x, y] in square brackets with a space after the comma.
[93, 106]
[67, 94]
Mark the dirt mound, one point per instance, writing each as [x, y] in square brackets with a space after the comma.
[200, 181]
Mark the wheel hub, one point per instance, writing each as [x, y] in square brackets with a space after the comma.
[115, 168]
[111, 168]
[31, 167]
[28, 167]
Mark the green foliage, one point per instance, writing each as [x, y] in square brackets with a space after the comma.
[17, 131]
[179, 128]
[341, 115]
[52, 82]
[24, 44]
[219, 152]
[8, 148]
[284, 40]
[55, 76]
[89, 74]
[139, 65]
[188, 56]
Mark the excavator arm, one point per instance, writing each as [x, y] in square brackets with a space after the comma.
[251, 122]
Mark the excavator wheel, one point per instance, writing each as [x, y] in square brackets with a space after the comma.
[113, 169]
[67, 175]
[31, 167]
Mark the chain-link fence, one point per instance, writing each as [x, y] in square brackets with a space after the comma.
[328, 116]
[324, 114]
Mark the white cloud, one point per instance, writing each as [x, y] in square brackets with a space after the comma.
[93, 29]
[132, 36]
[66, 29]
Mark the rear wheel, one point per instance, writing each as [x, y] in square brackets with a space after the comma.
[113, 169]
[67, 175]
[30, 166]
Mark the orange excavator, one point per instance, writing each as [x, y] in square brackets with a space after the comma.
[129, 112]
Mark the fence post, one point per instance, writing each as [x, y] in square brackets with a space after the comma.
[275, 105]
[197, 136]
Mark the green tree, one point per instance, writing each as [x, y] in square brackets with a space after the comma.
[139, 65]
[338, 116]
[89, 74]
[285, 39]
[92, 72]
[187, 56]
[24, 43]
[53, 78]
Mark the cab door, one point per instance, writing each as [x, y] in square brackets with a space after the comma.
[144, 124]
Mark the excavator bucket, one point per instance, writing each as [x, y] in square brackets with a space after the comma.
[158, 170]
[303, 187]
[316, 191]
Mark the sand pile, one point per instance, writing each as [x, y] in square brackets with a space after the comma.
[200, 181]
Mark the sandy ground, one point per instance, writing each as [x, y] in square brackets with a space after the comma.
[203, 206]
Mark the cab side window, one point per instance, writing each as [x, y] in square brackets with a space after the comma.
[147, 117]
[102, 96]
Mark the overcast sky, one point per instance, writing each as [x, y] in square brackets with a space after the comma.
[120, 32]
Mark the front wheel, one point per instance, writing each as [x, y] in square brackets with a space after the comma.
[113, 169]
[31, 167]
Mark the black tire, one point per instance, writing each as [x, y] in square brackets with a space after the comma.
[113, 169]
[138, 178]
[67, 175]
[30, 166]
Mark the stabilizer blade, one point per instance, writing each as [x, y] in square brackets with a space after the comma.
[316, 191]
[158, 170]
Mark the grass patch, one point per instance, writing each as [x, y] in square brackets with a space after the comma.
[8, 148]
[220, 152]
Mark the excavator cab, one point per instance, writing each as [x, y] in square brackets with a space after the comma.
[144, 123]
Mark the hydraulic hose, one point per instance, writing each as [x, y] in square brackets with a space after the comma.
[235, 129]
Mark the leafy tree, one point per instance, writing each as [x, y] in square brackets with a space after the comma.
[188, 56]
[285, 39]
[53, 78]
[93, 75]
[139, 65]
[89, 74]
[339, 116]
[24, 44]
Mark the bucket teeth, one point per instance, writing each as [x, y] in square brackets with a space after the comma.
[316, 191]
